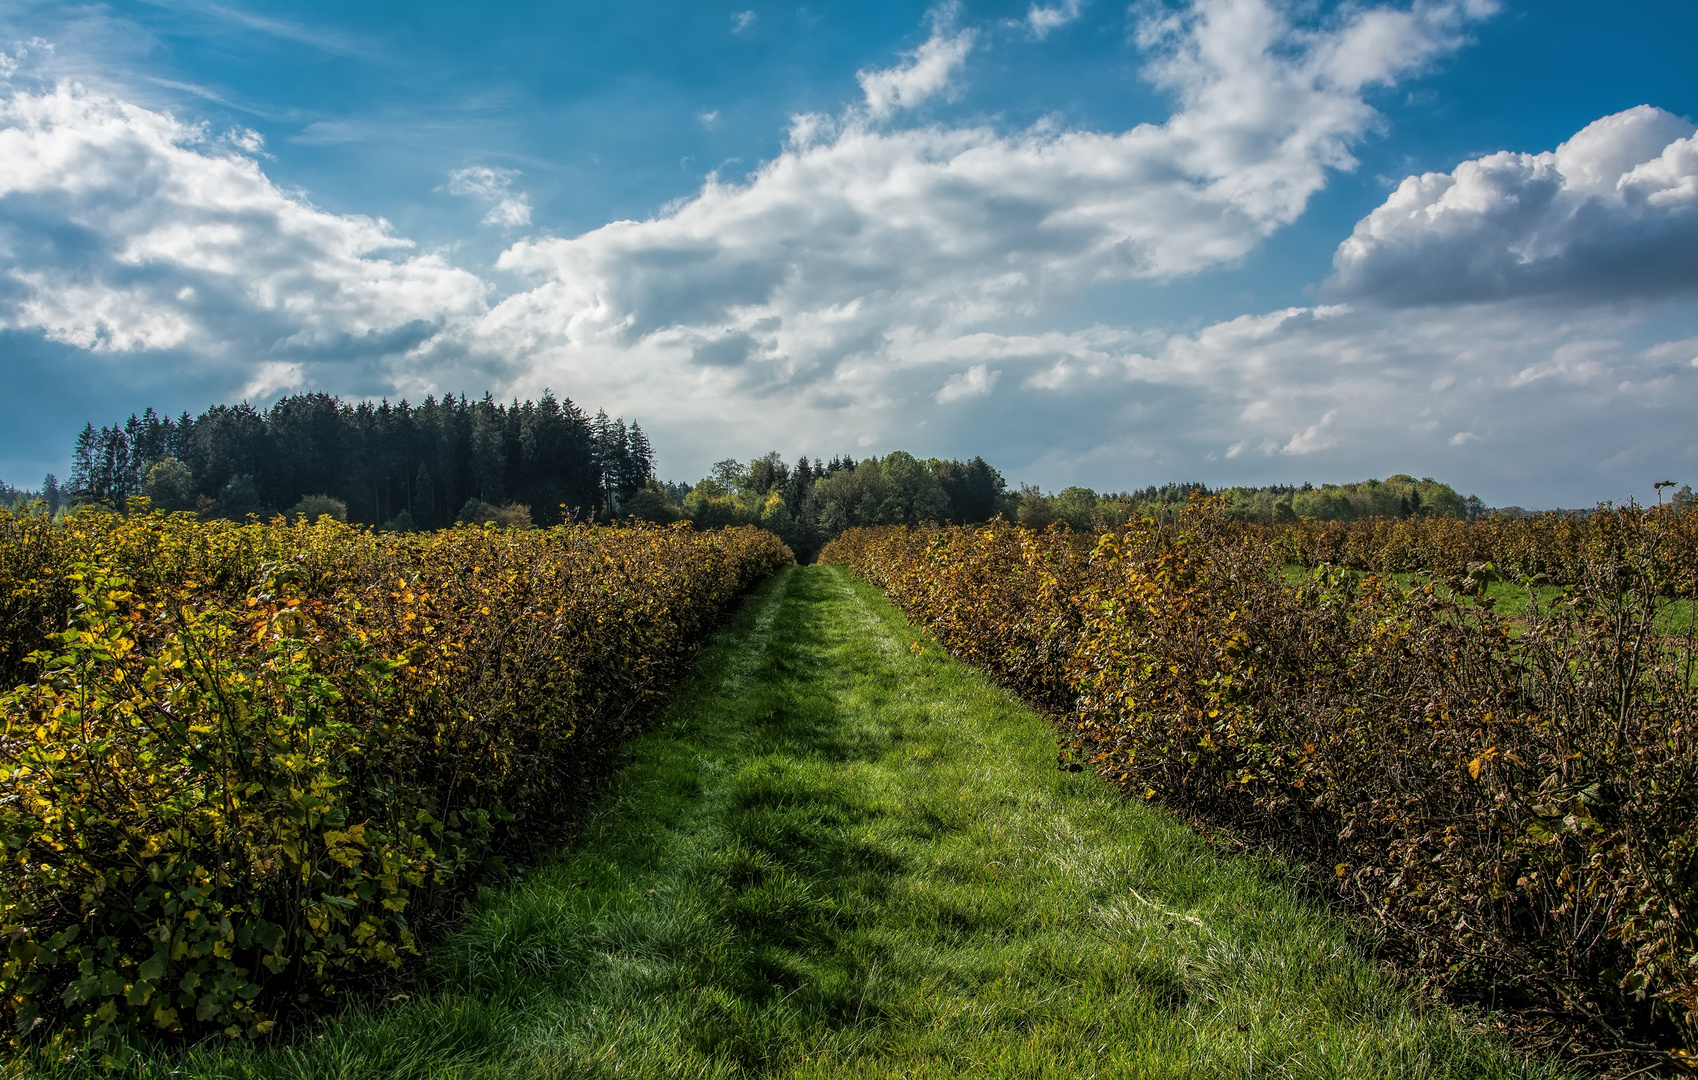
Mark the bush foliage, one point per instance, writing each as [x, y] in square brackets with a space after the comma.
[1514, 802]
[241, 763]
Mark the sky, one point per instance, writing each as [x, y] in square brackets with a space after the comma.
[1235, 241]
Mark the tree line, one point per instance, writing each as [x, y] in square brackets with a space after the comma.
[402, 465]
[810, 502]
[449, 459]
[1397, 496]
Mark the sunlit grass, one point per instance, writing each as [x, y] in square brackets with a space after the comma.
[1674, 616]
[842, 854]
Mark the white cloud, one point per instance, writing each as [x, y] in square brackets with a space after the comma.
[1313, 438]
[510, 213]
[976, 381]
[1574, 362]
[1611, 212]
[124, 229]
[741, 21]
[1041, 19]
[11, 61]
[923, 73]
[480, 181]
[246, 140]
[856, 236]
[509, 210]
[708, 118]
[273, 377]
[1332, 392]
[853, 245]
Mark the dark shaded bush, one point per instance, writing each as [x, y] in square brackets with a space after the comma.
[312, 507]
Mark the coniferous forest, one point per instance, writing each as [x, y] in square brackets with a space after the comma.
[407, 466]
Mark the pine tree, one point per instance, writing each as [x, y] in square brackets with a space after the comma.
[83, 465]
[424, 496]
[636, 462]
[642, 453]
[618, 465]
[488, 450]
[376, 458]
[605, 453]
[112, 465]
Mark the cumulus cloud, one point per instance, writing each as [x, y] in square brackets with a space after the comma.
[857, 238]
[976, 381]
[856, 243]
[1611, 212]
[1041, 19]
[495, 186]
[923, 73]
[741, 21]
[124, 229]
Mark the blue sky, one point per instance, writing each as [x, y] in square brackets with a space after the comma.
[1230, 240]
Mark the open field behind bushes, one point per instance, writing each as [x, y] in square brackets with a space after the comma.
[1513, 808]
[1557, 548]
[262, 757]
[1509, 596]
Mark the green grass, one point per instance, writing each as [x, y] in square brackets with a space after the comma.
[834, 857]
[1510, 599]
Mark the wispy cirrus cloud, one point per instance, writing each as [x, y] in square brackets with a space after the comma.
[323, 39]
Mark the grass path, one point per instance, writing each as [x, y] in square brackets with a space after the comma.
[834, 857]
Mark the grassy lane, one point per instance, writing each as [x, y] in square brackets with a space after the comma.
[837, 857]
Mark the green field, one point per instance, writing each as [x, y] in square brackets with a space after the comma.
[840, 853]
[1510, 599]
